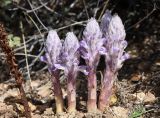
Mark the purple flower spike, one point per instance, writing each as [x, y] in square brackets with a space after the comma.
[53, 47]
[114, 35]
[91, 43]
[69, 61]
[70, 54]
[112, 26]
[115, 43]
[90, 49]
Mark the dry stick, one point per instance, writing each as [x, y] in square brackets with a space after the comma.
[86, 9]
[26, 55]
[21, 54]
[37, 16]
[40, 35]
[37, 8]
[73, 24]
[150, 13]
[34, 23]
[11, 60]
[45, 6]
[103, 10]
[95, 13]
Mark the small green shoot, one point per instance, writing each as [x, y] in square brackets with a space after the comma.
[4, 3]
[14, 41]
[137, 112]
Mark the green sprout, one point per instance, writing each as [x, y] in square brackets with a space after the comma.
[137, 112]
[4, 3]
[14, 41]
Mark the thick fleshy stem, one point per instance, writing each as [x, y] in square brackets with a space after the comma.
[92, 91]
[57, 92]
[71, 92]
[106, 90]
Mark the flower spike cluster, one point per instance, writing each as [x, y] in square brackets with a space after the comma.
[114, 45]
[108, 39]
[63, 56]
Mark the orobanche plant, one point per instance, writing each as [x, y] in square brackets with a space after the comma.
[90, 47]
[53, 47]
[113, 49]
[108, 39]
[69, 61]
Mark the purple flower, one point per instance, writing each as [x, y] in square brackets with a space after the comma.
[106, 18]
[53, 47]
[69, 61]
[114, 34]
[90, 50]
[92, 43]
[69, 58]
[113, 49]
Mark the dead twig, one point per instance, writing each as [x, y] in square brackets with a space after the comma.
[37, 15]
[84, 2]
[11, 60]
[149, 14]
[103, 10]
[26, 55]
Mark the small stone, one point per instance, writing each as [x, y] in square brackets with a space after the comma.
[120, 112]
[149, 98]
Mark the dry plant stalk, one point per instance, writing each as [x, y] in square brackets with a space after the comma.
[11, 60]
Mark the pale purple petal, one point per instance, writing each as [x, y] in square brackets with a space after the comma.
[125, 57]
[102, 51]
[43, 59]
[84, 45]
[84, 69]
[60, 66]
[106, 18]
[84, 54]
